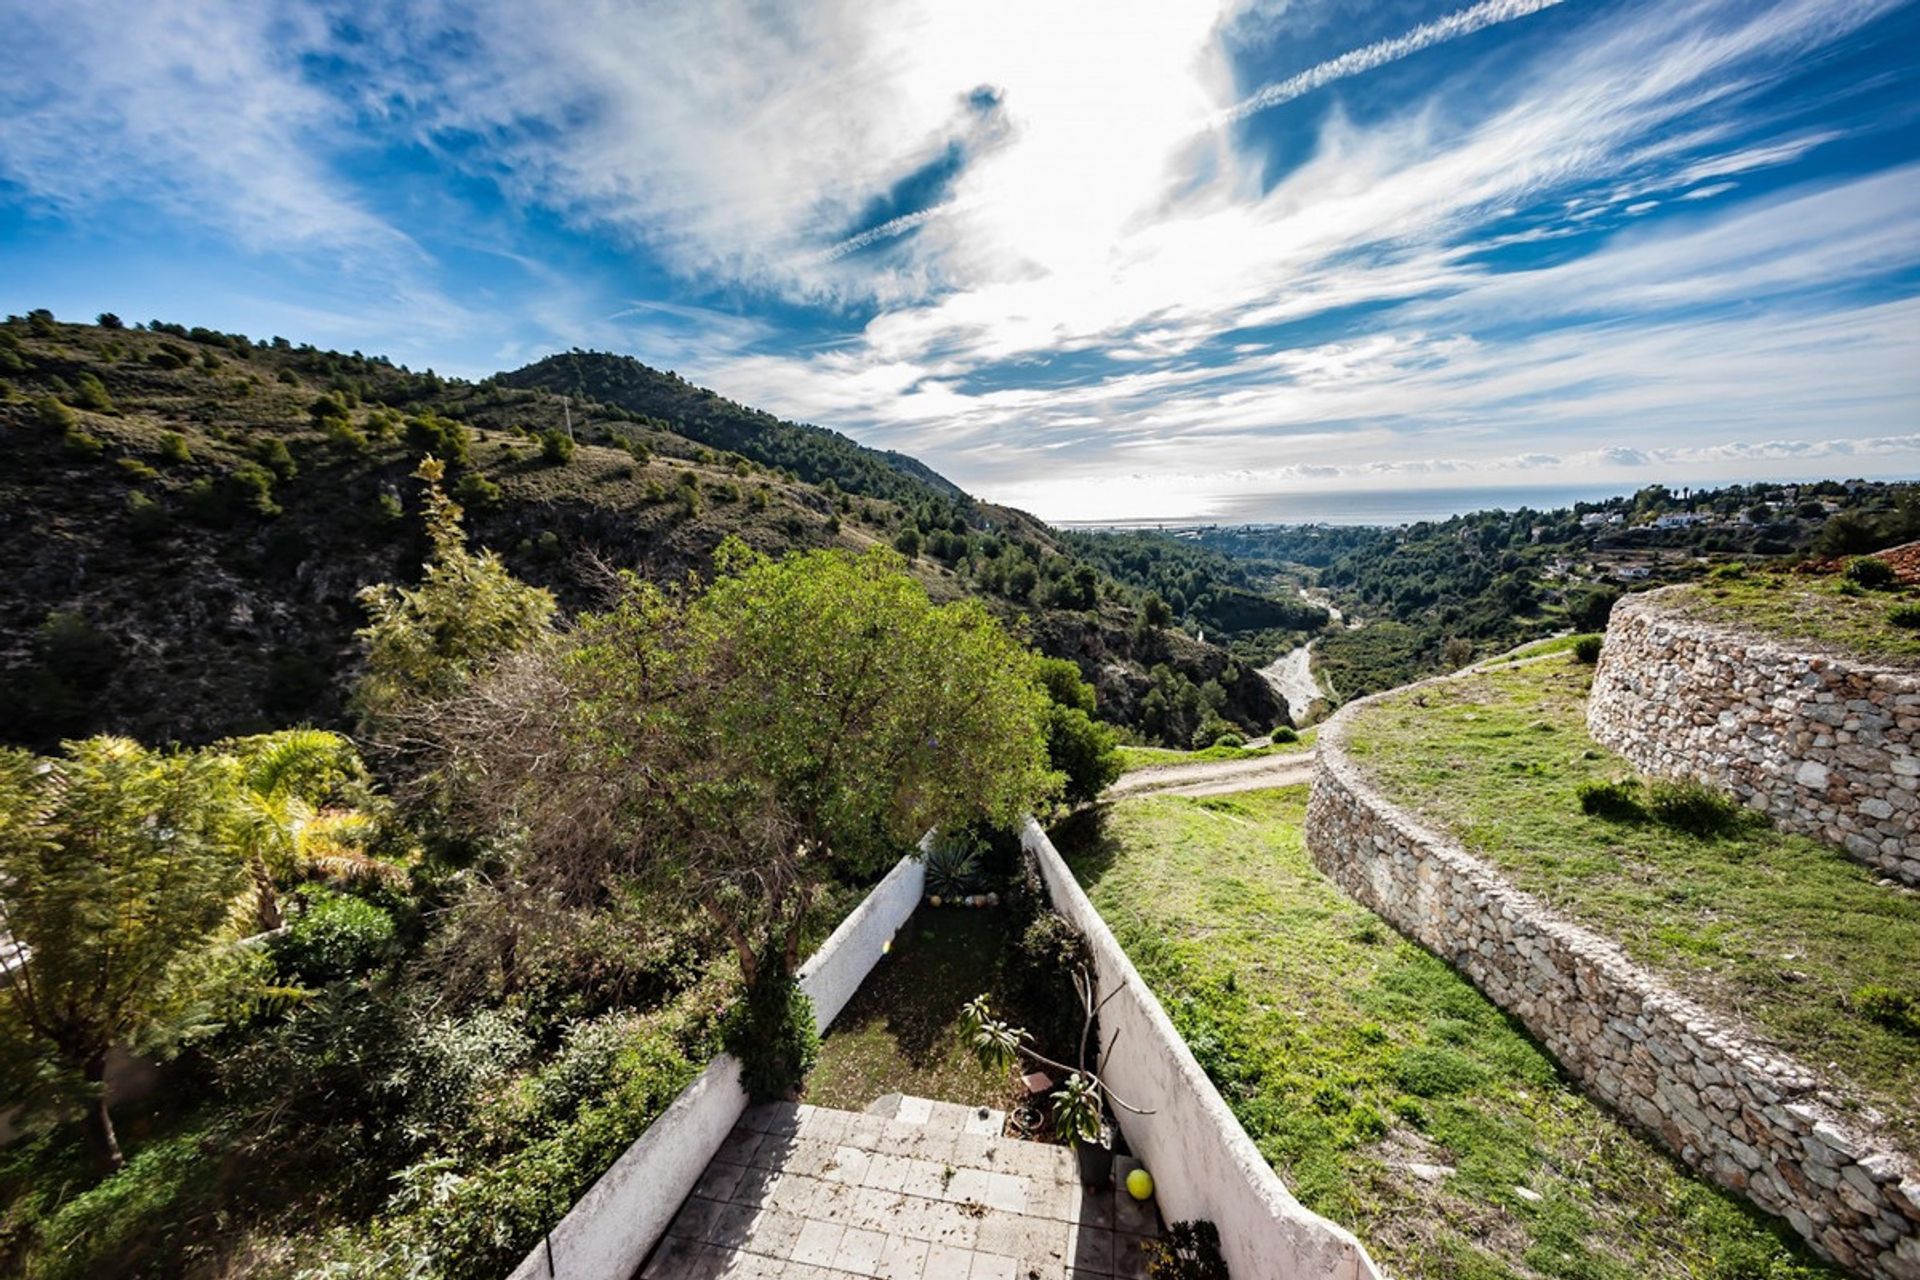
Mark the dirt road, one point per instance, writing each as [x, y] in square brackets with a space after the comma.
[1216, 777]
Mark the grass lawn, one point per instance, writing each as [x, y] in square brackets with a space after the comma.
[1820, 610]
[901, 1031]
[1132, 758]
[1781, 931]
[1387, 1092]
[1541, 648]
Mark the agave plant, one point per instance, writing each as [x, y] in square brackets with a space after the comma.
[953, 866]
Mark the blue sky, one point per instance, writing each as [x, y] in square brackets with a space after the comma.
[1098, 259]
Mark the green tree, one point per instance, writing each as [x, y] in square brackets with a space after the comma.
[424, 642]
[729, 750]
[908, 542]
[556, 447]
[116, 873]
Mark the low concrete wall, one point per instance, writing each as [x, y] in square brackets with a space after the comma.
[608, 1232]
[1203, 1163]
[1736, 1111]
[1825, 745]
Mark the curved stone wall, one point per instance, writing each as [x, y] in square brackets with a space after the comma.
[1827, 747]
[1730, 1108]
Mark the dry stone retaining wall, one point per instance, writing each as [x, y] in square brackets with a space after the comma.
[1827, 747]
[1740, 1114]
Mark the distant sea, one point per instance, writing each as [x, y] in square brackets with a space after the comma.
[1377, 506]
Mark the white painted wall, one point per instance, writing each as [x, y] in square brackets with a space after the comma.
[607, 1233]
[1203, 1163]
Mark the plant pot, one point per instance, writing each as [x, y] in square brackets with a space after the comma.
[1096, 1160]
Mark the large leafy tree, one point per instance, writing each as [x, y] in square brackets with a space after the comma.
[116, 870]
[730, 749]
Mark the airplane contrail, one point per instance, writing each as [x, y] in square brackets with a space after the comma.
[1488, 13]
[885, 231]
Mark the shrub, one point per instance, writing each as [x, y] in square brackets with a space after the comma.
[1433, 1071]
[271, 451]
[83, 445]
[1285, 733]
[289, 377]
[136, 469]
[1230, 740]
[90, 393]
[1905, 615]
[55, 416]
[1870, 571]
[146, 517]
[556, 447]
[335, 936]
[1894, 1010]
[771, 1030]
[165, 360]
[173, 448]
[1695, 808]
[1048, 952]
[129, 1222]
[108, 320]
[1189, 1251]
[446, 440]
[476, 492]
[1616, 801]
[1586, 649]
[908, 543]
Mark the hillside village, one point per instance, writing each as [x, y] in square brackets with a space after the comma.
[612, 832]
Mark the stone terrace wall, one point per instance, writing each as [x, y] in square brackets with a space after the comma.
[1742, 1115]
[1827, 747]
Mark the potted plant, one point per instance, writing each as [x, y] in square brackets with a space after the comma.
[1079, 1103]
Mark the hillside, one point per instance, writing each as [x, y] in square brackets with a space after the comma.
[666, 400]
[187, 517]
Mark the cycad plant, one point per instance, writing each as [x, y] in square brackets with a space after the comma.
[279, 827]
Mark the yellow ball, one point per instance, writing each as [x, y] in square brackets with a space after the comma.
[1140, 1184]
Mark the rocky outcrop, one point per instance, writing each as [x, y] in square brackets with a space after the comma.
[1826, 746]
[1729, 1107]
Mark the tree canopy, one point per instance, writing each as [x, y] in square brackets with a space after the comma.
[731, 747]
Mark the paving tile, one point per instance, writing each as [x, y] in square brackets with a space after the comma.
[934, 1144]
[983, 1120]
[772, 1117]
[1049, 1199]
[956, 1224]
[827, 1126]
[967, 1185]
[1130, 1256]
[947, 1262]
[873, 1209]
[832, 1202]
[794, 1193]
[977, 1151]
[915, 1110]
[738, 1146]
[887, 1172]
[926, 1178]
[1137, 1217]
[771, 1152]
[1091, 1249]
[1094, 1208]
[903, 1259]
[817, 1243]
[991, 1266]
[720, 1181]
[860, 1251]
[918, 1219]
[865, 1131]
[695, 1218]
[681, 1259]
[774, 1231]
[846, 1164]
[755, 1186]
[1007, 1192]
[950, 1116]
[898, 1133]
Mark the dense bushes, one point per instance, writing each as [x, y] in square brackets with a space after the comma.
[1870, 571]
[1586, 649]
[334, 936]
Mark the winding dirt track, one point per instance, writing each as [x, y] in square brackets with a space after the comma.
[1216, 777]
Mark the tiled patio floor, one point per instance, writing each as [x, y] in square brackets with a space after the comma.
[930, 1192]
